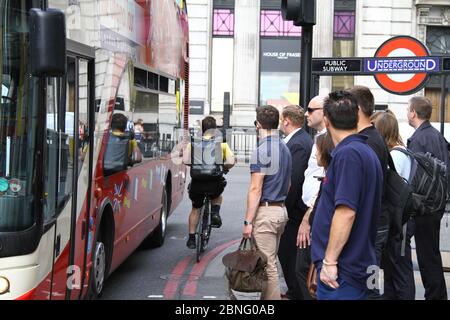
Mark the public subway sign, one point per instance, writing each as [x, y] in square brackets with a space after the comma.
[336, 66]
[401, 65]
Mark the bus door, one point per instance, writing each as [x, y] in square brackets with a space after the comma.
[70, 127]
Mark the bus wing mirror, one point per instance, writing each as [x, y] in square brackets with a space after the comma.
[47, 43]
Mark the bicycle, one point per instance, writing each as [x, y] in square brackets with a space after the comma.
[203, 231]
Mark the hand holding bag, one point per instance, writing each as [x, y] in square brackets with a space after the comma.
[246, 267]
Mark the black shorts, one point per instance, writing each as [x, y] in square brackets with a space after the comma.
[198, 189]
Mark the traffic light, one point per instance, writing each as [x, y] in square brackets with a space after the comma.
[302, 12]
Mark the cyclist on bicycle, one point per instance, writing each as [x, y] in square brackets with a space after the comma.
[211, 181]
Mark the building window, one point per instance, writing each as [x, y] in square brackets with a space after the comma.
[223, 22]
[438, 41]
[344, 38]
[279, 71]
[344, 25]
[273, 25]
[279, 58]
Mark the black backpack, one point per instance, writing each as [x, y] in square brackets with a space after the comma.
[428, 179]
[448, 171]
[206, 158]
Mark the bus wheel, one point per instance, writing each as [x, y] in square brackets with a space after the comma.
[98, 269]
[156, 238]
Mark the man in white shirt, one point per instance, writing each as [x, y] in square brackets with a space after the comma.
[311, 185]
[314, 118]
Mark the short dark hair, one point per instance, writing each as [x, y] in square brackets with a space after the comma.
[341, 109]
[119, 122]
[268, 117]
[208, 123]
[364, 98]
[422, 106]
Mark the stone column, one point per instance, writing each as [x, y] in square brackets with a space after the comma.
[200, 30]
[246, 62]
[323, 37]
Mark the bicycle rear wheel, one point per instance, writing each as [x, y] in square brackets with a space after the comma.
[198, 239]
[206, 225]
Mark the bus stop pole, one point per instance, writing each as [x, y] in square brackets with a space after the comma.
[443, 96]
[306, 66]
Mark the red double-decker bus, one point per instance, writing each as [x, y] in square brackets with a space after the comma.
[66, 222]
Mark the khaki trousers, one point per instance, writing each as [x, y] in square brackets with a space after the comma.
[268, 227]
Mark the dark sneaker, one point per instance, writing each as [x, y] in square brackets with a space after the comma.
[216, 221]
[191, 243]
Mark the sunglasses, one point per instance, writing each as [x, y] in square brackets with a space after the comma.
[311, 110]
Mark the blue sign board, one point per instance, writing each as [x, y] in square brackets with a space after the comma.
[402, 65]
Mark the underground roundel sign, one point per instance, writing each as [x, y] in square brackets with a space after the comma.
[402, 83]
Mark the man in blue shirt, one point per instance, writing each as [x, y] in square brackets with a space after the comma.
[345, 225]
[266, 215]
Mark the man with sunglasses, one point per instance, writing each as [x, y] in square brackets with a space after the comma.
[310, 189]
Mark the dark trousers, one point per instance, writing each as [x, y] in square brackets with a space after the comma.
[301, 270]
[380, 245]
[287, 254]
[426, 235]
[399, 281]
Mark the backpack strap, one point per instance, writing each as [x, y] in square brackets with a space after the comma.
[403, 245]
[404, 151]
[391, 162]
[413, 169]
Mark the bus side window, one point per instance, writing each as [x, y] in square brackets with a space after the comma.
[60, 147]
[146, 106]
[82, 141]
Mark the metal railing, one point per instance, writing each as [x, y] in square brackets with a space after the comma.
[242, 141]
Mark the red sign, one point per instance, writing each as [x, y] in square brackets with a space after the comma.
[402, 46]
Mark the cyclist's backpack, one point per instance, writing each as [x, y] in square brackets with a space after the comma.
[428, 179]
[206, 158]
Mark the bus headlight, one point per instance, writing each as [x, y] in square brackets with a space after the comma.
[4, 285]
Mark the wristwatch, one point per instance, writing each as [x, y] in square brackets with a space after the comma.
[246, 223]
